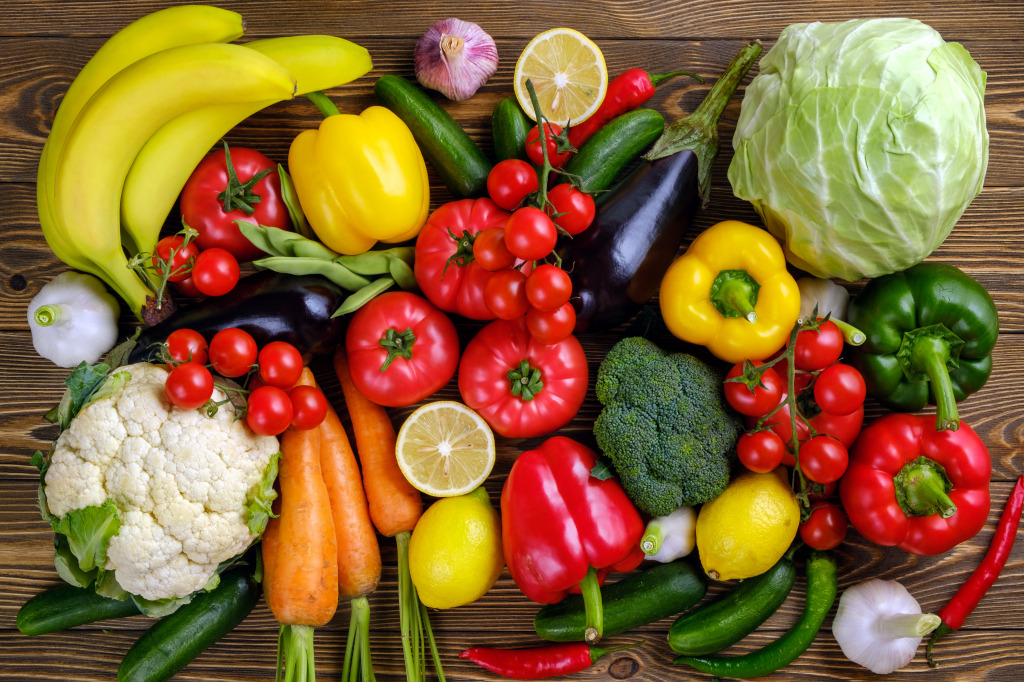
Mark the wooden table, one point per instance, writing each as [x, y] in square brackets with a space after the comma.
[43, 44]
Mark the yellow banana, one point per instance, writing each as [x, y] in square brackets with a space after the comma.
[115, 123]
[168, 158]
[171, 27]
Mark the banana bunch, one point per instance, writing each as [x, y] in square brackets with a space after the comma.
[140, 116]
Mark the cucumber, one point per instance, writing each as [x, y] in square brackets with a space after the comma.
[66, 606]
[658, 592]
[613, 148]
[175, 640]
[509, 126]
[463, 168]
[728, 619]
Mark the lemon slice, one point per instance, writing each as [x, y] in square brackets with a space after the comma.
[445, 449]
[568, 72]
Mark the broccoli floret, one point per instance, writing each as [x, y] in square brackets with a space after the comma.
[665, 426]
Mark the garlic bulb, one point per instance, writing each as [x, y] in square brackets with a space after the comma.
[455, 57]
[73, 319]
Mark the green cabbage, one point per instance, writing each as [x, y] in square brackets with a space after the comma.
[861, 144]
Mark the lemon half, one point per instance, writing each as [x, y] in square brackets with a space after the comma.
[445, 449]
[568, 73]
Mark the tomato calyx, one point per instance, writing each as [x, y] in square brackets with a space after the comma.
[239, 194]
[525, 381]
[397, 344]
[463, 255]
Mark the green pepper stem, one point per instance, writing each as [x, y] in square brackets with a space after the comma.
[922, 488]
[590, 588]
[943, 629]
[597, 652]
[46, 315]
[901, 625]
[931, 354]
[851, 334]
[736, 294]
[658, 78]
[324, 103]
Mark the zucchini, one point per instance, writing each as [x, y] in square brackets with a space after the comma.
[613, 148]
[728, 619]
[463, 168]
[175, 640]
[66, 606]
[509, 126]
[658, 592]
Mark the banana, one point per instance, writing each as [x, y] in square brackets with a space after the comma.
[115, 123]
[168, 158]
[171, 27]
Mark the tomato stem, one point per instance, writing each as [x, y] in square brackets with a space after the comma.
[397, 344]
[239, 194]
[525, 381]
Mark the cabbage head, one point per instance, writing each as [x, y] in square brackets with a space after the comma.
[861, 144]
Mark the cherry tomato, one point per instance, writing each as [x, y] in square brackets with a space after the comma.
[818, 348]
[180, 261]
[505, 294]
[839, 389]
[823, 459]
[309, 407]
[551, 327]
[215, 272]
[511, 181]
[187, 345]
[189, 385]
[759, 402]
[490, 251]
[187, 287]
[825, 528]
[269, 412]
[530, 234]
[232, 352]
[760, 451]
[280, 364]
[533, 149]
[548, 288]
[578, 208]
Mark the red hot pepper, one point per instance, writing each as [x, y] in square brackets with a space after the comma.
[538, 663]
[563, 528]
[911, 486]
[625, 92]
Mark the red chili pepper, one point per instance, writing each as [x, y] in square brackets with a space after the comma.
[625, 92]
[970, 593]
[538, 663]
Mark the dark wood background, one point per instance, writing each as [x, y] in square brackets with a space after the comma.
[43, 44]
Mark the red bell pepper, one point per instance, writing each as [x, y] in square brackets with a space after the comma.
[919, 489]
[561, 527]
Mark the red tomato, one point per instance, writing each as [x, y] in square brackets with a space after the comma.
[760, 451]
[497, 378]
[530, 234]
[511, 181]
[202, 200]
[280, 364]
[551, 327]
[269, 411]
[178, 255]
[189, 385]
[187, 345]
[823, 459]
[843, 427]
[505, 294]
[309, 407]
[533, 148]
[548, 288]
[401, 349]
[232, 352]
[839, 389]
[825, 528]
[578, 208]
[759, 401]
[490, 251]
[215, 272]
[446, 270]
[818, 348]
[187, 287]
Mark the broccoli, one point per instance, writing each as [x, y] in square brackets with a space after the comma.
[665, 426]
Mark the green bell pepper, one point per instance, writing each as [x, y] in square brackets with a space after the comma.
[930, 333]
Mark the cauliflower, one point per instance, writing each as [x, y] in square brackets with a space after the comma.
[170, 492]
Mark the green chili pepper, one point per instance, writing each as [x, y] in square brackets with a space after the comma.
[822, 585]
[930, 333]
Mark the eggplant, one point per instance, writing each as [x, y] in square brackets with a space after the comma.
[616, 265]
[269, 305]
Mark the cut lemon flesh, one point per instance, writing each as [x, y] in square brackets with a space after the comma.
[445, 449]
[568, 73]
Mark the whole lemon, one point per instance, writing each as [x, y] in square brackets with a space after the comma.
[744, 531]
[455, 550]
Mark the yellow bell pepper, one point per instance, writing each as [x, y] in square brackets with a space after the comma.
[360, 179]
[731, 293]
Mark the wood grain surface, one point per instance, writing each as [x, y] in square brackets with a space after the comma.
[44, 43]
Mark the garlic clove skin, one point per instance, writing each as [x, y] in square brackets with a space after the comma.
[456, 58]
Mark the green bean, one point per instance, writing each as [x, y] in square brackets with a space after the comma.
[336, 272]
[291, 202]
[403, 274]
[367, 263]
[360, 298]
